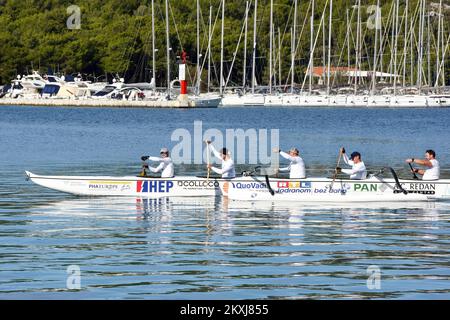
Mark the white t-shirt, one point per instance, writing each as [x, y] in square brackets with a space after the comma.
[166, 166]
[227, 170]
[296, 167]
[432, 173]
[358, 170]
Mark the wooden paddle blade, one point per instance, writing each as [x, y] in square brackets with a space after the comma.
[143, 173]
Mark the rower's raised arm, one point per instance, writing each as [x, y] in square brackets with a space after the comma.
[347, 160]
[287, 156]
[155, 159]
[215, 152]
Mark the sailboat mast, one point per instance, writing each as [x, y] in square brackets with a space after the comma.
[411, 58]
[324, 57]
[197, 90]
[405, 42]
[429, 80]
[392, 44]
[293, 47]
[254, 47]
[348, 43]
[438, 43]
[329, 47]
[221, 48]
[375, 52]
[422, 5]
[381, 42]
[209, 48]
[153, 48]
[271, 47]
[168, 49]
[396, 46]
[356, 73]
[244, 74]
[279, 56]
[443, 50]
[311, 45]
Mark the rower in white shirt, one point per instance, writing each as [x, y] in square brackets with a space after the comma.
[227, 171]
[166, 165]
[433, 171]
[358, 170]
[297, 166]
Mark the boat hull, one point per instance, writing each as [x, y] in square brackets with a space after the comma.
[325, 190]
[131, 186]
[250, 188]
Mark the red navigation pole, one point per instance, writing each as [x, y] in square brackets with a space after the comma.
[182, 76]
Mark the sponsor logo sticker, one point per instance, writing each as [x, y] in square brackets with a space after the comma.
[418, 188]
[198, 184]
[109, 185]
[248, 185]
[293, 184]
[365, 187]
[155, 186]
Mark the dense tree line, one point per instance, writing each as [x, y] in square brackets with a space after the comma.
[115, 37]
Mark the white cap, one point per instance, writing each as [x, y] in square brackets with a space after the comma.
[164, 150]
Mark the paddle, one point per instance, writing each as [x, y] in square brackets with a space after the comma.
[266, 172]
[143, 173]
[414, 174]
[335, 170]
[268, 185]
[207, 161]
[397, 182]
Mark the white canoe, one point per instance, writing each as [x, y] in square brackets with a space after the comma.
[374, 189]
[186, 186]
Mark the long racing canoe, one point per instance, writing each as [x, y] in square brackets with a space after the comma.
[252, 188]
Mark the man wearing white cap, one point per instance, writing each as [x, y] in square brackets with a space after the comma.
[297, 166]
[166, 164]
[227, 170]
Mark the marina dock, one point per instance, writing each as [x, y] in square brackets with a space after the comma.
[98, 103]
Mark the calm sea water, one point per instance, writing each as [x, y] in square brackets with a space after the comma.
[132, 248]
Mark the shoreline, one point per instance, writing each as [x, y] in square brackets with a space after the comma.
[96, 103]
[182, 104]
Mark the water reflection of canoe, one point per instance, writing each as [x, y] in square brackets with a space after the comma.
[374, 189]
[308, 207]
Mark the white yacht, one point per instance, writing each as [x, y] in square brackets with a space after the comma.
[58, 90]
[247, 100]
[207, 100]
[33, 82]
